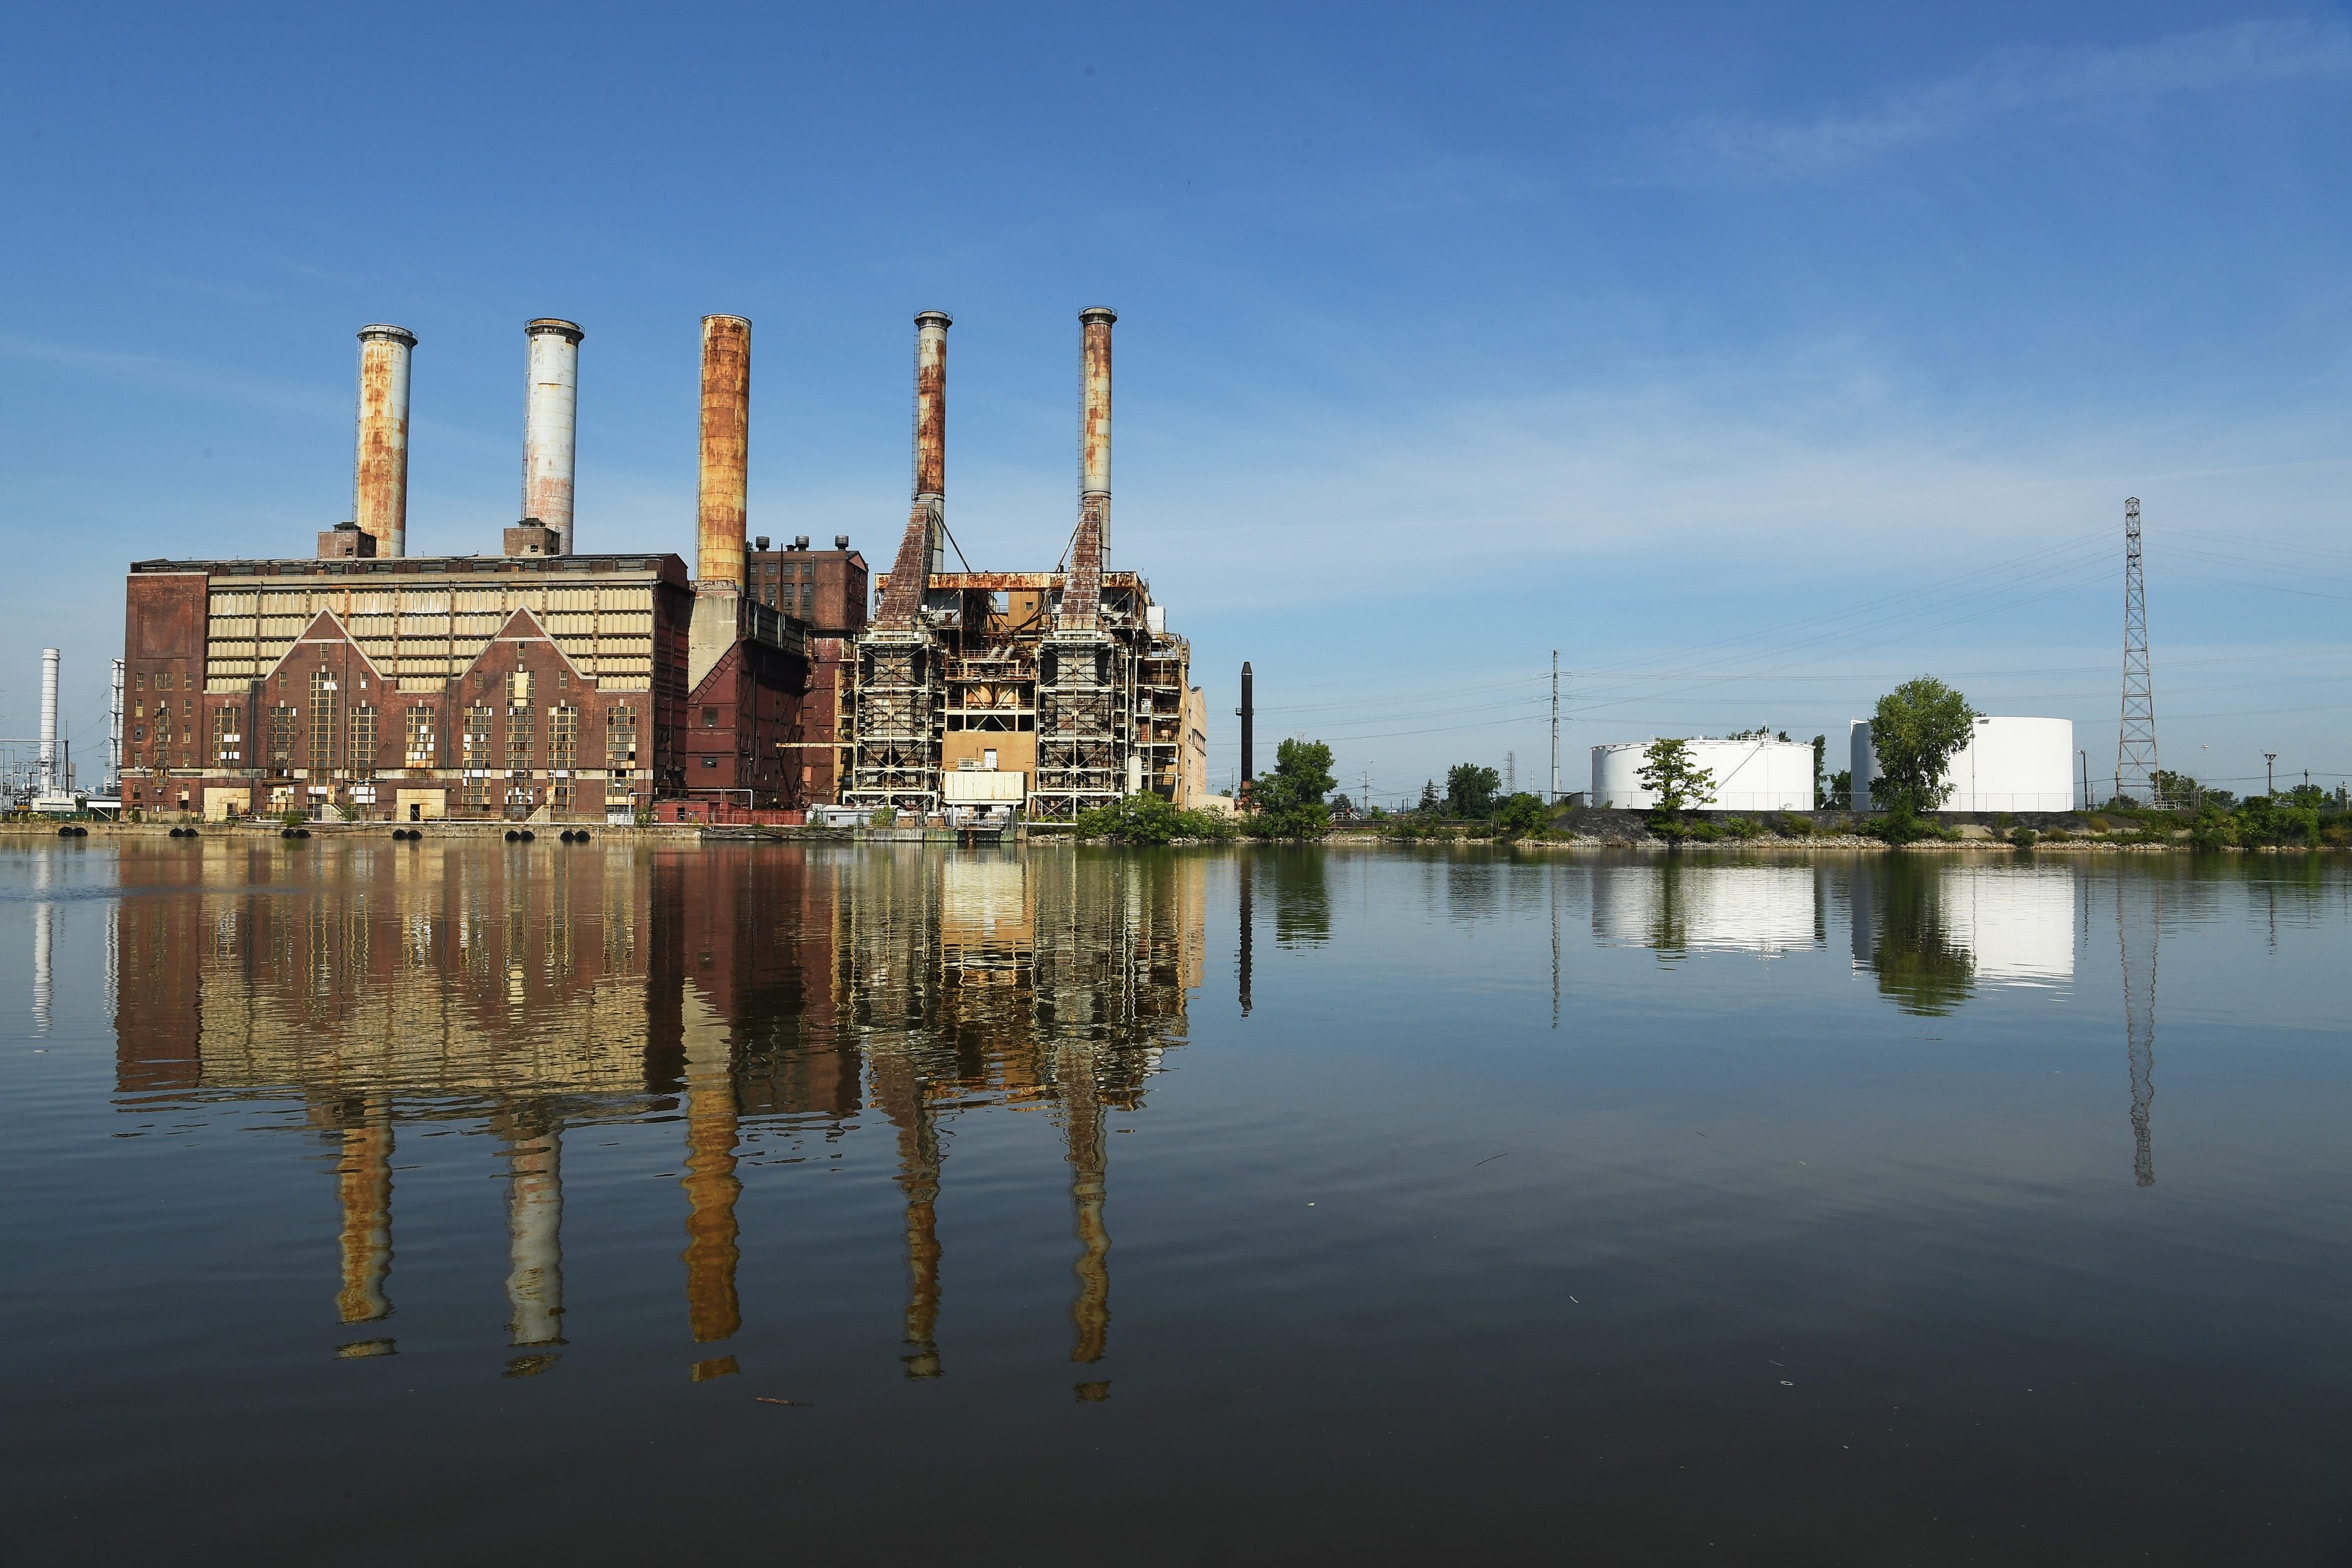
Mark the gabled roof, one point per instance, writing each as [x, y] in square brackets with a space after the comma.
[525, 627]
[324, 628]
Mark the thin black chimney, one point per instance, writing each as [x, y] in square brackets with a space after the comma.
[1248, 710]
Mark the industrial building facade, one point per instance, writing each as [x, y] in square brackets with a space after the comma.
[412, 688]
[552, 683]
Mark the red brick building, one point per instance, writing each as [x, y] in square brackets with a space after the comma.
[405, 689]
[568, 687]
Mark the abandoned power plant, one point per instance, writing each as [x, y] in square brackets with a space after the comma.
[572, 679]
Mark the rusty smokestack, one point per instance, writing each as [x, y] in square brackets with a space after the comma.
[720, 489]
[551, 411]
[380, 470]
[931, 432]
[1094, 437]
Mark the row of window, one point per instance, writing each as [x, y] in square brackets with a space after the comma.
[336, 736]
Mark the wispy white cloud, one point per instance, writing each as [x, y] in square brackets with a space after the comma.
[1727, 475]
[2021, 82]
[211, 382]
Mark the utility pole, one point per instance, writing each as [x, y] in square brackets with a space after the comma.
[1510, 773]
[2086, 779]
[1555, 727]
[2270, 775]
[2136, 762]
[1365, 804]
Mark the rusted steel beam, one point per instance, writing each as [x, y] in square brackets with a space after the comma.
[902, 590]
[551, 411]
[720, 501]
[1006, 582]
[380, 470]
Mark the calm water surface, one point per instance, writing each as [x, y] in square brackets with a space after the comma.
[381, 1202]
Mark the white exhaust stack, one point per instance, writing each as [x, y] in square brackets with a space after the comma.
[114, 736]
[52, 781]
[547, 438]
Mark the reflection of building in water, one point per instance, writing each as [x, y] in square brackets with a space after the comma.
[2017, 922]
[2139, 909]
[539, 992]
[1902, 934]
[1676, 908]
[1045, 979]
[1933, 930]
[395, 983]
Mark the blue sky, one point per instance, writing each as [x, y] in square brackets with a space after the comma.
[1753, 363]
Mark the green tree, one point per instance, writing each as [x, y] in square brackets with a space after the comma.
[1470, 790]
[1820, 750]
[1430, 802]
[1523, 816]
[1680, 784]
[1916, 730]
[1289, 800]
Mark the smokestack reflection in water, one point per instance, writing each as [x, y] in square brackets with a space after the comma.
[363, 1181]
[1242, 870]
[534, 1239]
[1084, 1129]
[900, 1094]
[712, 1186]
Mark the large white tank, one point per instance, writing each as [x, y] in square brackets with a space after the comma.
[1749, 775]
[2009, 764]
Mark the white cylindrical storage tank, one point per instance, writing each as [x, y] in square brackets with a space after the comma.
[1749, 774]
[1615, 780]
[1759, 774]
[2009, 764]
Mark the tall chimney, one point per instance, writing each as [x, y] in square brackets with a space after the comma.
[719, 496]
[52, 780]
[1093, 439]
[931, 432]
[380, 471]
[114, 735]
[550, 419]
[1248, 710]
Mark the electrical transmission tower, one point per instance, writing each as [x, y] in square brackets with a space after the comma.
[1555, 727]
[2135, 764]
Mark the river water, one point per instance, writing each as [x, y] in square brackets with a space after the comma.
[375, 1202]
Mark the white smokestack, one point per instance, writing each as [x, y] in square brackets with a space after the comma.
[51, 781]
[114, 735]
[547, 427]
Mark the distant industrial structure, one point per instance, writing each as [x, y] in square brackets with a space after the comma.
[550, 681]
